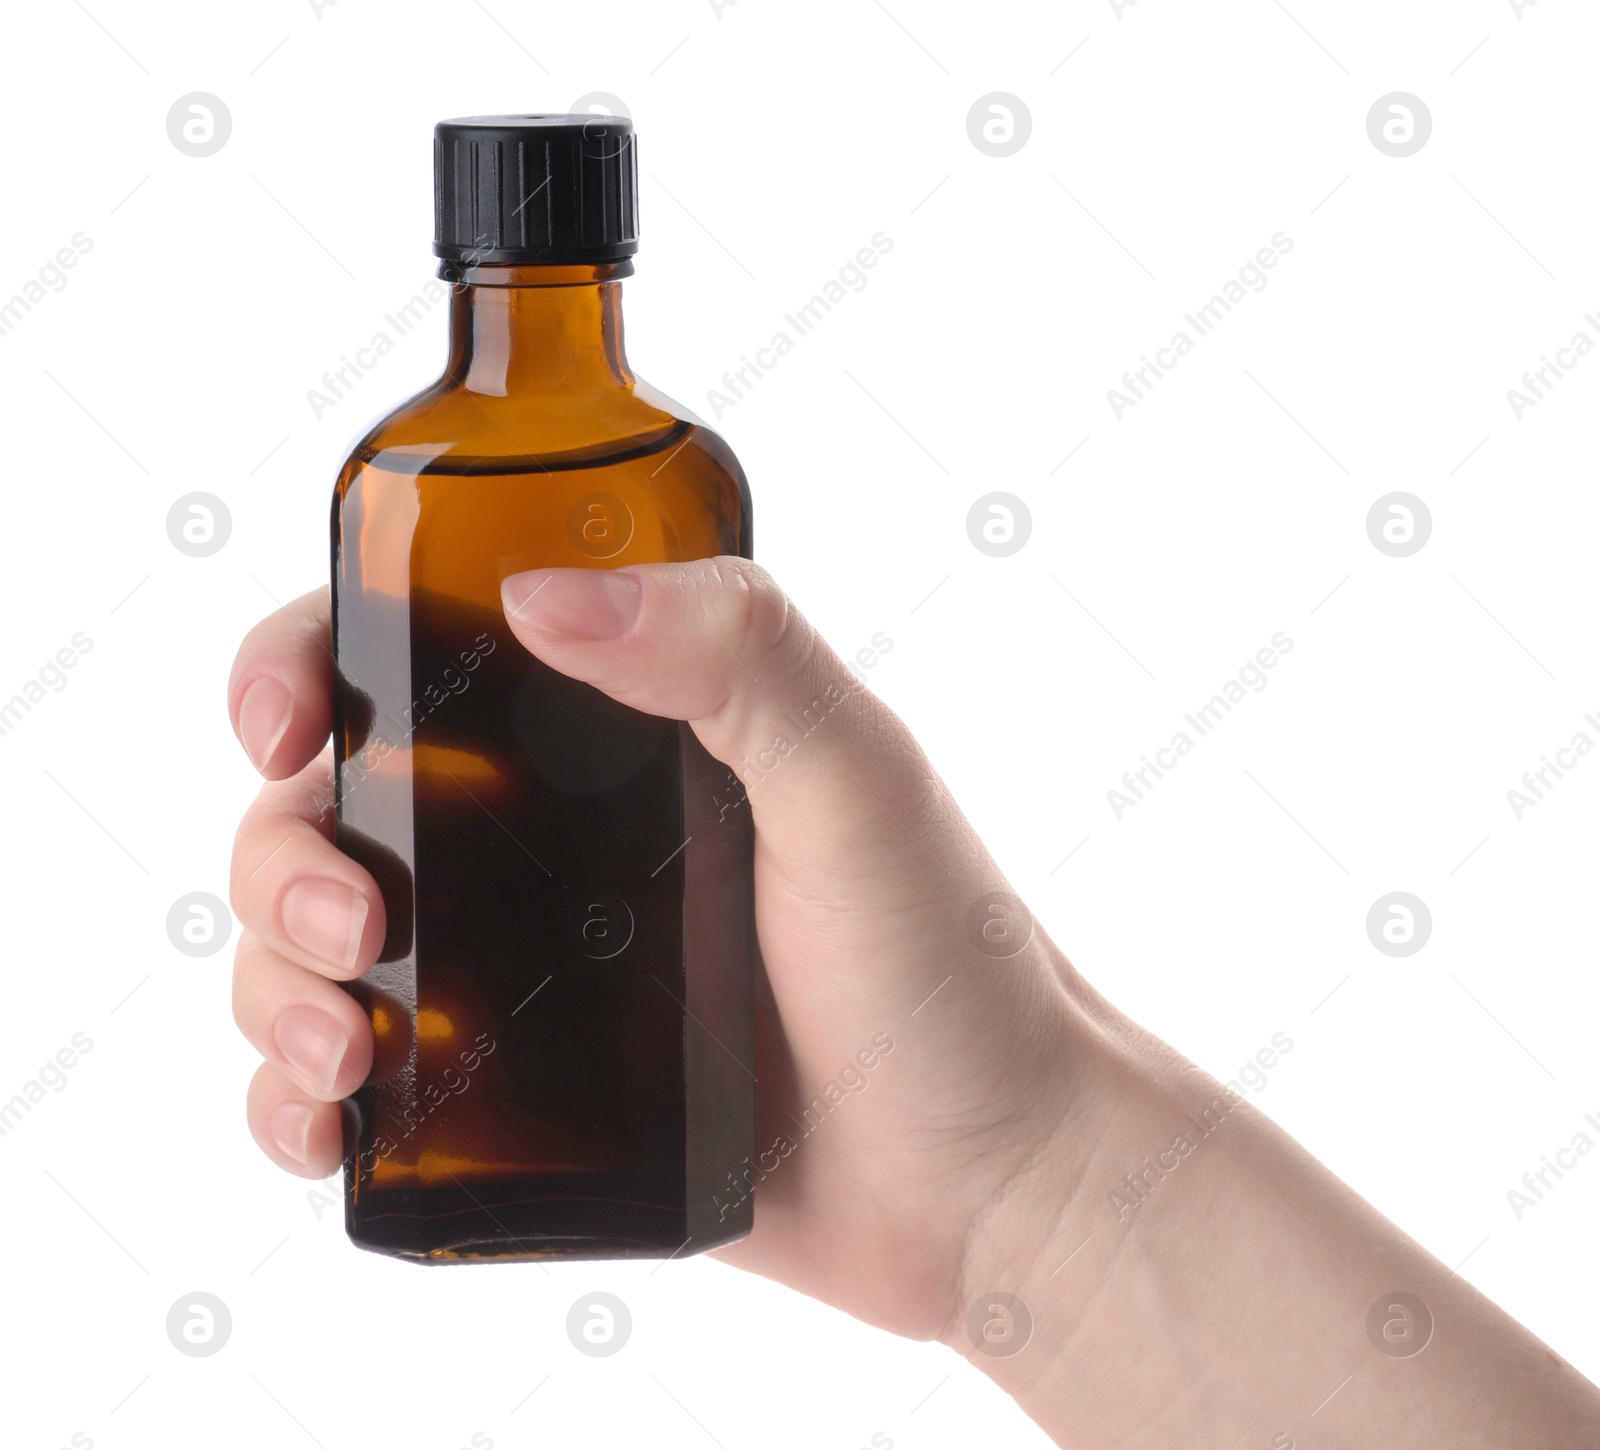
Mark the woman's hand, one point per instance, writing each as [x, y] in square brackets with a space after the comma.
[979, 1148]
[882, 920]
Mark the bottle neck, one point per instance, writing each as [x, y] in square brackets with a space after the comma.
[518, 329]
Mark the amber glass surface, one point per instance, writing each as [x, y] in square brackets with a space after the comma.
[562, 1004]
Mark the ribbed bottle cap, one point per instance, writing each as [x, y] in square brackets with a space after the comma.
[519, 190]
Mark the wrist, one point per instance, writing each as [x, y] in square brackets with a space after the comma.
[1170, 1267]
[1032, 1288]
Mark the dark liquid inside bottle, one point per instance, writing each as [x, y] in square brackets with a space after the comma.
[562, 1004]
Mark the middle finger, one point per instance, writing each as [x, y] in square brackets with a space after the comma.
[299, 892]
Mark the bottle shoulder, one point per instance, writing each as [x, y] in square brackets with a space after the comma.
[633, 441]
[447, 426]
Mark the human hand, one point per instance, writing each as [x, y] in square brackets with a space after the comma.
[904, 1074]
[977, 1159]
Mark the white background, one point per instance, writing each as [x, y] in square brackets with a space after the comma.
[1229, 505]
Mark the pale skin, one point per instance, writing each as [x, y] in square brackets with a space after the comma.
[1228, 1306]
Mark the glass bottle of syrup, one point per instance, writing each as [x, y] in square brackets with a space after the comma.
[562, 1005]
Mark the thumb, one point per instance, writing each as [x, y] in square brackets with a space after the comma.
[838, 787]
[876, 901]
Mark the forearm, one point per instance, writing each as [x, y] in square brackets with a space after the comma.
[1196, 1277]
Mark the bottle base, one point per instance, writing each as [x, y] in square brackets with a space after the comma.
[496, 1251]
[436, 1227]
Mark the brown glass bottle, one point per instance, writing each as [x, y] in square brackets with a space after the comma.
[562, 1006]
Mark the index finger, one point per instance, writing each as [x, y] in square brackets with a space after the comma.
[280, 691]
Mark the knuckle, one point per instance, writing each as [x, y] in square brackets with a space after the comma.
[238, 876]
[755, 614]
[243, 981]
[287, 822]
[257, 822]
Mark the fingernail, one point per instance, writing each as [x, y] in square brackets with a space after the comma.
[579, 603]
[290, 1126]
[313, 1044]
[326, 918]
[265, 710]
